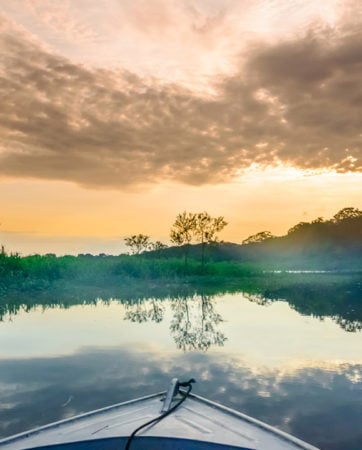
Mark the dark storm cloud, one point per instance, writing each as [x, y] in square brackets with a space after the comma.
[297, 102]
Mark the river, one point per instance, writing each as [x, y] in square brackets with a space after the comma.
[300, 371]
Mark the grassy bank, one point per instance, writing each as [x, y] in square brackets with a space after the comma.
[70, 273]
[49, 281]
[41, 272]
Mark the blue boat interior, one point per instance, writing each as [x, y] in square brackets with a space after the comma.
[142, 443]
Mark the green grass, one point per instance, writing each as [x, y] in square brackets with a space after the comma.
[32, 272]
[71, 278]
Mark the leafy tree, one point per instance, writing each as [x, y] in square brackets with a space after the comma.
[206, 229]
[258, 237]
[318, 220]
[200, 226]
[182, 231]
[347, 213]
[298, 227]
[137, 243]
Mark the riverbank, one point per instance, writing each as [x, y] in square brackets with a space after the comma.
[49, 281]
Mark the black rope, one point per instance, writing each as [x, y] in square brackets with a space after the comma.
[187, 384]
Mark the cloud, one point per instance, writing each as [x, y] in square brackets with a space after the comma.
[294, 102]
[57, 21]
[315, 87]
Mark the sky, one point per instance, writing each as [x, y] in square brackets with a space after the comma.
[116, 115]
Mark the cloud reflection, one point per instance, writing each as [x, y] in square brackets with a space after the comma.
[316, 404]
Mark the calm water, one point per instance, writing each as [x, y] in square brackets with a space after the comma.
[299, 372]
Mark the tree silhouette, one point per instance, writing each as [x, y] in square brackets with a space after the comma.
[157, 245]
[258, 237]
[182, 231]
[318, 220]
[347, 213]
[299, 226]
[206, 229]
[137, 243]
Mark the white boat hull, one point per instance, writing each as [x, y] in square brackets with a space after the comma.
[197, 424]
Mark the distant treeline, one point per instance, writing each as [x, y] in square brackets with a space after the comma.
[334, 244]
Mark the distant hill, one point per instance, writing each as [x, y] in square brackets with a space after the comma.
[332, 244]
[320, 244]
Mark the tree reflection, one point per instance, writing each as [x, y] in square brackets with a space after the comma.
[348, 325]
[340, 301]
[194, 323]
[143, 311]
[258, 299]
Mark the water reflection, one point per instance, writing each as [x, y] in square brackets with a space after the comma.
[36, 391]
[143, 311]
[194, 323]
[337, 299]
[249, 351]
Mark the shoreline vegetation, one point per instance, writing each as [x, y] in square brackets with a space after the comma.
[265, 266]
[321, 245]
[336, 295]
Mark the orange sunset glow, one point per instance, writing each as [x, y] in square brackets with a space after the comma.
[118, 115]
